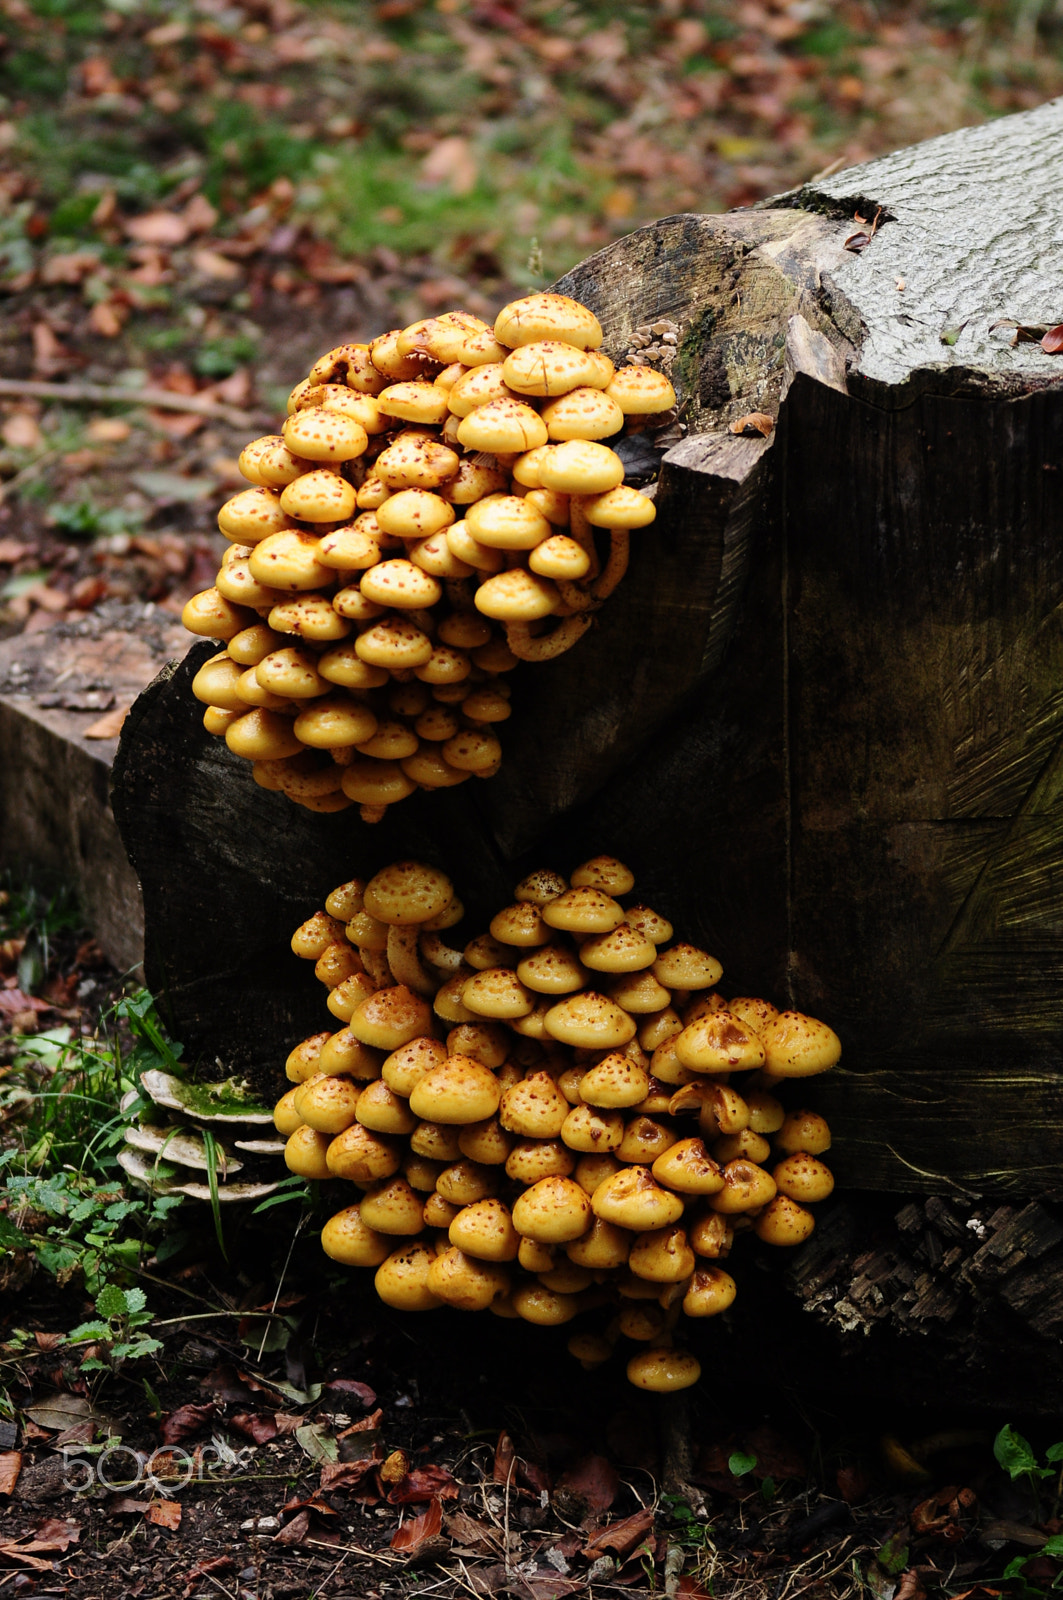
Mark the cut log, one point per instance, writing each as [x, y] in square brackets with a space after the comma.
[821, 718]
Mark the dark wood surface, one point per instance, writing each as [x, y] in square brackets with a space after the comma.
[820, 718]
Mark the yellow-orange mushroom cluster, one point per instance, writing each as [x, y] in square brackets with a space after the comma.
[426, 519]
[545, 1121]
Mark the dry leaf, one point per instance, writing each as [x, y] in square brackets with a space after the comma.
[213, 265]
[451, 162]
[1052, 343]
[857, 242]
[10, 1467]
[22, 432]
[294, 1532]
[186, 1420]
[165, 1513]
[413, 1534]
[753, 423]
[620, 1537]
[588, 1488]
[158, 227]
[108, 726]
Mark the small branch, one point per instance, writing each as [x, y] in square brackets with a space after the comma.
[108, 394]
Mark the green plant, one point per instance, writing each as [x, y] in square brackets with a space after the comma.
[1017, 1457]
[119, 1329]
[686, 1531]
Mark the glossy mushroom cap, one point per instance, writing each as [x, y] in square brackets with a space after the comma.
[458, 1091]
[346, 1237]
[402, 1279]
[587, 910]
[633, 1199]
[553, 1211]
[663, 1370]
[719, 1043]
[589, 1021]
[406, 893]
[797, 1046]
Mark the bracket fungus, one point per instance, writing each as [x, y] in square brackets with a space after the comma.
[517, 1147]
[348, 542]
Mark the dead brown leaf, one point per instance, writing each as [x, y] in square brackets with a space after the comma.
[588, 1488]
[10, 1467]
[158, 227]
[260, 1428]
[910, 1586]
[423, 1483]
[346, 1474]
[505, 1459]
[620, 1537]
[165, 1514]
[753, 423]
[109, 726]
[294, 1532]
[185, 1421]
[1052, 343]
[412, 1535]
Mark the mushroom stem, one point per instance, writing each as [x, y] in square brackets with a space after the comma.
[547, 645]
[580, 530]
[677, 1451]
[440, 955]
[575, 597]
[615, 567]
[372, 813]
[405, 961]
[375, 963]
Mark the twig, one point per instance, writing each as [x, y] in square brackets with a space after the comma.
[356, 1550]
[280, 1285]
[108, 394]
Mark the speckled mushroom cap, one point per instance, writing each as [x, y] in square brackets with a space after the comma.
[640, 391]
[459, 1090]
[407, 892]
[583, 413]
[633, 1199]
[663, 1370]
[552, 969]
[540, 886]
[589, 1021]
[535, 1108]
[553, 1211]
[548, 316]
[797, 1046]
[783, 1222]
[516, 596]
[549, 367]
[687, 1167]
[639, 993]
[587, 911]
[390, 1018]
[616, 1081]
[622, 507]
[496, 992]
[623, 949]
[503, 425]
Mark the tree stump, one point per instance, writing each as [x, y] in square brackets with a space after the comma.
[822, 717]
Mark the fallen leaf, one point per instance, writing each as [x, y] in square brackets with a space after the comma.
[857, 242]
[206, 1569]
[255, 1426]
[451, 162]
[13, 550]
[588, 1488]
[165, 1513]
[352, 1386]
[363, 1425]
[413, 1534]
[423, 1483]
[53, 1534]
[10, 1467]
[395, 1467]
[158, 227]
[109, 726]
[910, 1586]
[346, 1474]
[505, 1459]
[16, 1555]
[620, 1537]
[126, 1506]
[185, 1421]
[58, 1410]
[753, 423]
[1052, 343]
[294, 1532]
[213, 265]
[317, 1442]
[22, 432]
[199, 214]
[108, 430]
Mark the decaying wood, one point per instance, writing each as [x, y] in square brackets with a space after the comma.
[959, 1282]
[821, 717]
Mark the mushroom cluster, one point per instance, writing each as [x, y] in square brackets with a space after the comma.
[430, 515]
[544, 1122]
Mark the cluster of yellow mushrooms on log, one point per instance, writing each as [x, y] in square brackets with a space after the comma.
[426, 519]
[544, 1121]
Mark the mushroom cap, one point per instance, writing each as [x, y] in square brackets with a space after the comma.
[372, 782]
[535, 1108]
[477, 387]
[395, 643]
[800, 1176]
[633, 1199]
[486, 1042]
[415, 461]
[641, 1321]
[252, 514]
[261, 735]
[719, 1043]
[485, 1230]
[344, 666]
[466, 1181]
[803, 1130]
[747, 1187]
[540, 886]
[482, 348]
[784, 1222]
[590, 1171]
[306, 1152]
[656, 928]
[640, 391]
[414, 514]
[496, 992]
[623, 507]
[756, 1014]
[688, 1168]
[407, 1065]
[711, 1235]
[289, 559]
[473, 480]
[437, 1141]
[663, 1369]
[588, 1129]
[533, 1158]
[797, 1046]
[506, 522]
[486, 1142]
[302, 1060]
[560, 557]
[577, 466]
[684, 966]
[662, 1255]
[516, 596]
[552, 970]
[583, 911]
[711, 1291]
[333, 722]
[603, 1247]
[383, 1111]
[413, 400]
[439, 1213]
[391, 1206]
[311, 616]
[766, 1114]
[356, 545]
[549, 367]
[390, 1018]
[285, 1117]
[553, 1211]
[345, 1237]
[406, 893]
[614, 1083]
[534, 1302]
[321, 433]
[402, 584]
[319, 496]
[362, 1156]
[520, 924]
[640, 994]
[623, 949]
[327, 1104]
[292, 673]
[747, 1144]
[470, 552]
[459, 1090]
[644, 1139]
[605, 873]
[502, 425]
[402, 1280]
[583, 413]
[548, 316]
[589, 1021]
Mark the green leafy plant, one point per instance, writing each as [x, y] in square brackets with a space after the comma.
[741, 1463]
[1017, 1457]
[686, 1531]
[121, 1318]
